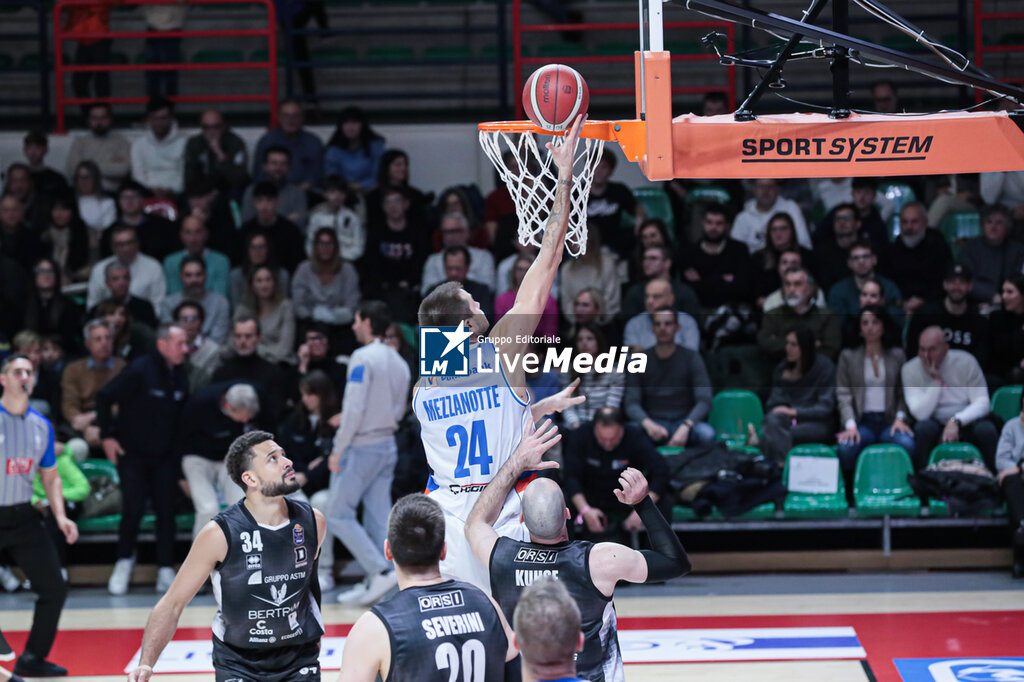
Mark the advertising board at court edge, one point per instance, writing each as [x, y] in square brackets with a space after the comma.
[446, 352]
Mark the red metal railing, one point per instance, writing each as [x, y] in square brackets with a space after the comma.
[518, 60]
[980, 50]
[270, 65]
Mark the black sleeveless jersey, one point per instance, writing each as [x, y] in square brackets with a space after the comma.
[515, 565]
[447, 631]
[264, 585]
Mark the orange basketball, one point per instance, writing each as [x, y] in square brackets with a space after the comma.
[554, 96]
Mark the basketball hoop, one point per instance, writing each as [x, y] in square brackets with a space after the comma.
[531, 181]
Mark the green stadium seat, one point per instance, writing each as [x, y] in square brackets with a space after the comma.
[670, 450]
[119, 58]
[616, 48]
[709, 195]
[390, 54]
[814, 505]
[32, 61]
[490, 51]
[958, 227]
[96, 468]
[681, 513]
[732, 411]
[562, 50]
[901, 42]
[218, 55]
[880, 483]
[331, 55]
[657, 204]
[447, 53]
[1016, 38]
[140, 58]
[685, 47]
[1006, 402]
[898, 193]
[964, 451]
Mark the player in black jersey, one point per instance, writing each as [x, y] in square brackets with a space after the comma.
[548, 632]
[261, 555]
[589, 571]
[433, 629]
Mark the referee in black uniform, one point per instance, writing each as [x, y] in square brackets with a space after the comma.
[26, 446]
[261, 554]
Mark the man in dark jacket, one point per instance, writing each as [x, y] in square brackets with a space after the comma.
[150, 394]
[917, 259]
[245, 364]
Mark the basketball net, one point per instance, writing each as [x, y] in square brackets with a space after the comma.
[532, 182]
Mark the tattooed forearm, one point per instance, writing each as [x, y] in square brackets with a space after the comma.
[554, 231]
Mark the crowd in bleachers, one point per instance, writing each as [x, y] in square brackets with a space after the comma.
[838, 301]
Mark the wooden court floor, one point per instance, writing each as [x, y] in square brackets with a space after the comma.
[917, 616]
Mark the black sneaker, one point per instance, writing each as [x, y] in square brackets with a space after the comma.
[30, 665]
[6, 652]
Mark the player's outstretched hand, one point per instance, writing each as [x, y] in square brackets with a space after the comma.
[141, 673]
[532, 447]
[561, 400]
[564, 154]
[634, 487]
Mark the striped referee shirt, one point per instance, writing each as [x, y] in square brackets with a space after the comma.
[26, 444]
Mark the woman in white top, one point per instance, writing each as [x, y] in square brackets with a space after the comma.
[868, 391]
[97, 209]
[264, 299]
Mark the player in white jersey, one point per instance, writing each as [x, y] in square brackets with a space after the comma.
[471, 424]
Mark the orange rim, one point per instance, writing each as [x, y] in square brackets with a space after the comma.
[597, 130]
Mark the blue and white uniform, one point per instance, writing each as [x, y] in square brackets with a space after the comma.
[470, 426]
[26, 444]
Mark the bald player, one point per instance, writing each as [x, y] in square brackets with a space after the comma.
[548, 633]
[589, 571]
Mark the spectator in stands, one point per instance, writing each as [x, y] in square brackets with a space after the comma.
[117, 277]
[291, 198]
[19, 183]
[455, 232]
[326, 289]
[657, 265]
[1007, 325]
[872, 218]
[14, 287]
[48, 310]
[458, 199]
[602, 389]
[203, 352]
[844, 296]
[149, 394]
[395, 252]
[640, 332]
[315, 355]
[147, 277]
[266, 301]
[781, 237]
[830, 192]
[603, 449]
[257, 251]
[992, 257]
[132, 339]
[597, 268]
[589, 308]
[1005, 189]
[871, 405]
[158, 156]
[111, 152]
[163, 17]
[719, 268]
[354, 151]
[832, 252]
[305, 149]
[672, 399]
[799, 312]
[788, 260]
[946, 393]
[47, 181]
[306, 435]
[500, 221]
[870, 294]
[90, 18]
[218, 155]
[157, 236]
[1009, 459]
[611, 208]
[335, 214]
[194, 237]
[394, 172]
[67, 239]
[884, 97]
[18, 240]
[548, 325]
[800, 406]
[457, 263]
[98, 210]
[217, 211]
[216, 307]
[210, 422]
[285, 236]
[751, 225]
[953, 193]
[45, 396]
[84, 377]
[956, 316]
[503, 273]
[242, 362]
[653, 232]
[917, 258]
